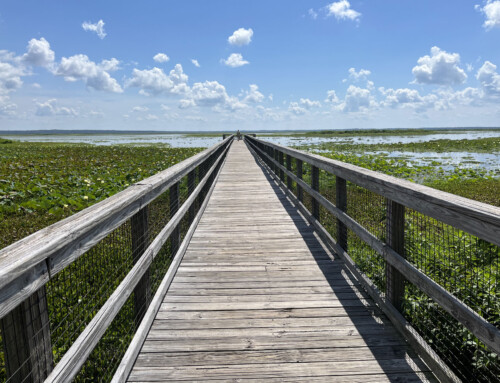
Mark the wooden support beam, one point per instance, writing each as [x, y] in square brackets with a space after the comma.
[289, 181]
[270, 151]
[26, 340]
[300, 191]
[341, 203]
[395, 282]
[175, 237]
[281, 161]
[201, 173]
[315, 186]
[275, 156]
[191, 187]
[140, 241]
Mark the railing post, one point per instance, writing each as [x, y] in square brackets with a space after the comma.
[341, 203]
[270, 151]
[289, 181]
[282, 162]
[201, 174]
[191, 186]
[274, 154]
[300, 192]
[140, 242]
[26, 340]
[395, 282]
[175, 237]
[315, 186]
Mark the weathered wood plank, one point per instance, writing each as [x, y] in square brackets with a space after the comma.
[259, 296]
[413, 377]
[309, 313]
[284, 342]
[438, 366]
[287, 323]
[275, 370]
[170, 359]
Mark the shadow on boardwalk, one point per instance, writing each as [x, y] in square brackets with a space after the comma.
[395, 358]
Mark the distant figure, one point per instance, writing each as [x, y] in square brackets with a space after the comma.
[238, 135]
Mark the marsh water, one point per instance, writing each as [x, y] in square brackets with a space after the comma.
[446, 160]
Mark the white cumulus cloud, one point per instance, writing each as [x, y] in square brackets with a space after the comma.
[10, 77]
[440, 68]
[491, 12]
[308, 104]
[402, 96]
[357, 99]
[110, 65]
[296, 109]
[235, 60]
[186, 103]
[331, 96]
[6, 107]
[312, 13]
[241, 37]
[209, 93]
[39, 53]
[94, 75]
[151, 117]
[357, 76]
[157, 81]
[97, 28]
[10, 80]
[50, 108]
[489, 79]
[161, 58]
[212, 94]
[342, 11]
[195, 63]
[253, 95]
[140, 109]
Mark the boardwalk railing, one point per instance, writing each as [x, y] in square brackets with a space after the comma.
[73, 294]
[430, 259]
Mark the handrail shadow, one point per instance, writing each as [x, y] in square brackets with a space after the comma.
[380, 336]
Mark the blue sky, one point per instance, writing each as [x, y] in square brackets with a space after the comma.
[260, 64]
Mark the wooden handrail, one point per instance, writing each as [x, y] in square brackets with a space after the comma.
[479, 219]
[28, 264]
[75, 357]
[135, 346]
[481, 328]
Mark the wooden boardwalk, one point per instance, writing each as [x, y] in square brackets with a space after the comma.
[257, 297]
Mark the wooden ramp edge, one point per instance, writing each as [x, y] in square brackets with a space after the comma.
[258, 297]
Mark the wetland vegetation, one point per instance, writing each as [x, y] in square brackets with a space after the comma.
[43, 182]
[471, 177]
